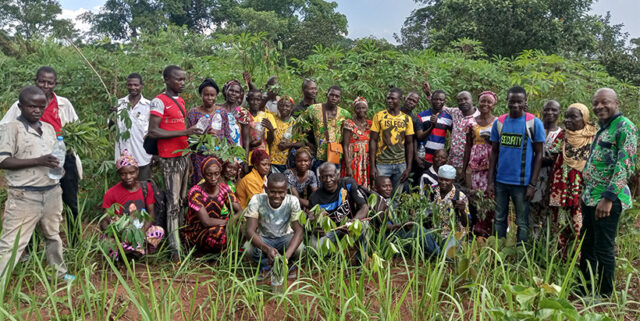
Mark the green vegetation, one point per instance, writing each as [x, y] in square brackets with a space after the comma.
[486, 279]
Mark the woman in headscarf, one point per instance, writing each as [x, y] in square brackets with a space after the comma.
[130, 197]
[355, 134]
[476, 158]
[572, 146]
[254, 182]
[208, 92]
[239, 117]
[206, 223]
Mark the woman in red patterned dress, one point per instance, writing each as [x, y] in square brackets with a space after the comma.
[355, 134]
[206, 222]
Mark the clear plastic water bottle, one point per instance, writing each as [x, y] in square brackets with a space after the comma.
[259, 129]
[216, 122]
[59, 152]
[422, 152]
[289, 133]
[203, 122]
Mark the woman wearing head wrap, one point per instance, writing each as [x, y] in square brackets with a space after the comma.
[572, 146]
[476, 155]
[205, 227]
[239, 117]
[283, 139]
[355, 135]
[129, 197]
[254, 182]
[208, 92]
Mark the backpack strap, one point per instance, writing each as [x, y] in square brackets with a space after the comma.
[145, 190]
[500, 123]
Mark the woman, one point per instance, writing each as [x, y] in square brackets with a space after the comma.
[573, 147]
[262, 123]
[478, 148]
[540, 203]
[355, 134]
[254, 182]
[282, 135]
[476, 159]
[239, 118]
[130, 197]
[302, 181]
[206, 223]
[208, 92]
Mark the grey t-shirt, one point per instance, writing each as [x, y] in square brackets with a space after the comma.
[273, 222]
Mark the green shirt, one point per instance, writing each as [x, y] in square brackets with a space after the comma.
[334, 126]
[611, 162]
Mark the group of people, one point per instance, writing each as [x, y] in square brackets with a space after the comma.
[315, 155]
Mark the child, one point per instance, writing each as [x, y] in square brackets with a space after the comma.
[132, 197]
[33, 198]
[401, 230]
[272, 224]
[230, 172]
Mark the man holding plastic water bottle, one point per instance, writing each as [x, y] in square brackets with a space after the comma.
[59, 112]
[34, 196]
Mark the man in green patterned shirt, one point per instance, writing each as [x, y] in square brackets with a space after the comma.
[606, 193]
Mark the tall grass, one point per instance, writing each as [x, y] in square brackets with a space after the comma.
[485, 280]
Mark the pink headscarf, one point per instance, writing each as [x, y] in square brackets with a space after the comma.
[490, 94]
[125, 160]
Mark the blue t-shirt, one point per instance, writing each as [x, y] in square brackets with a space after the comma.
[515, 159]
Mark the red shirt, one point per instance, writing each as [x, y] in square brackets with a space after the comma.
[51, 116]
[172, 120]
[130, 201]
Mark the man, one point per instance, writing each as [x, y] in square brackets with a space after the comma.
[33, 198]
[435, 124]
[58, 113]
[393, 158]
[452, 207]
[331, 128]
[272, 223]
[409, 230]
[341, 200]
[309, 93]
[137, 109]
[410, 103]
[514, 164]
[606, 194]
[429, 179]
[461, 117]
[270, 99]
[167, 125]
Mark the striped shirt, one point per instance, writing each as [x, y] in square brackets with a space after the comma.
[438, 137]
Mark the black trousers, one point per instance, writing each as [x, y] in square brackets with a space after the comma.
[69, 183]
[597, 256]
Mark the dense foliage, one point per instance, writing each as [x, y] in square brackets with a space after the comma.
[367, 70]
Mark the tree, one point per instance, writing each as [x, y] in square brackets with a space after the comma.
[504, 27]
[31, 18]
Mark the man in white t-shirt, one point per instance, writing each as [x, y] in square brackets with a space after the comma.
[272, 223]
[132, 139]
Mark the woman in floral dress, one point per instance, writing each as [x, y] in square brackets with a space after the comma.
[355, 135]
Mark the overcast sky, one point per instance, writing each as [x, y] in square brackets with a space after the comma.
[383, 18]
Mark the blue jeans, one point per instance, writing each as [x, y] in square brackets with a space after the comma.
[426, 240]
[278, 243]
[515, 193]
[393, 171]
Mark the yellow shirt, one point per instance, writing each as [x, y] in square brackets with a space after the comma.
[258, 120]
[252, 184]
[279, 157]
[393, 131]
